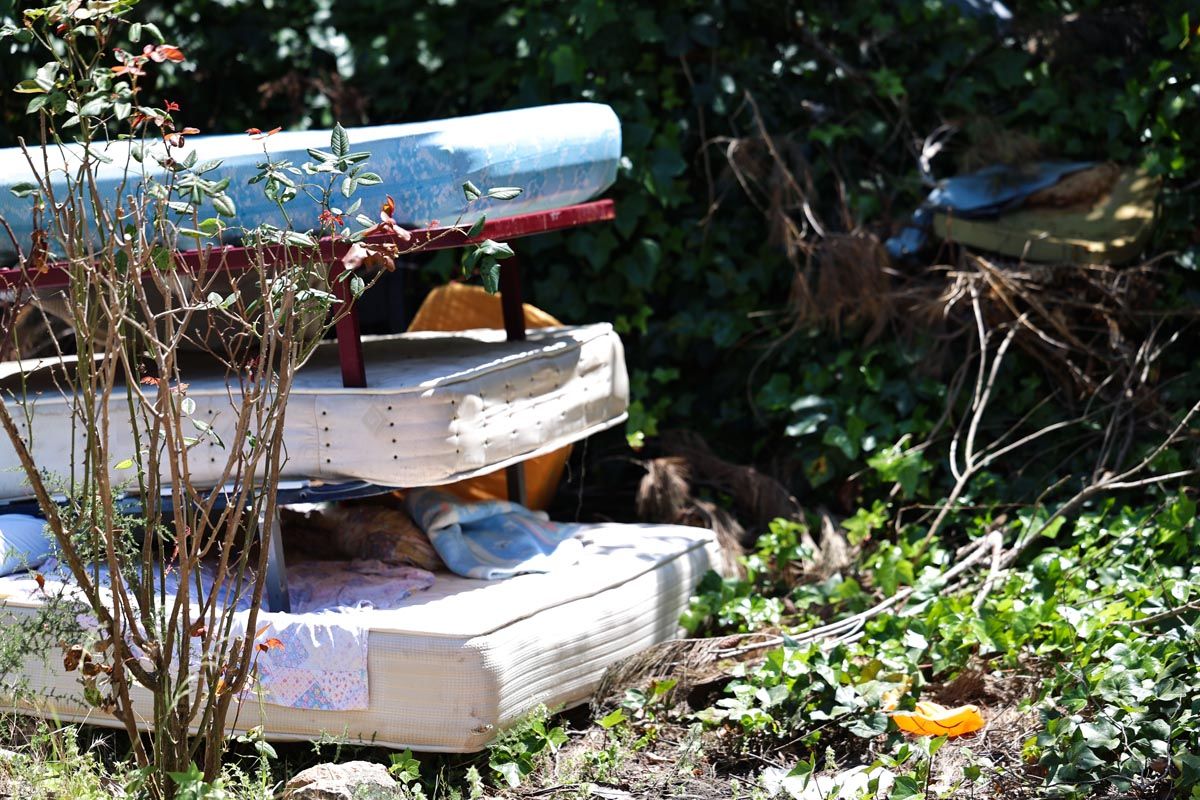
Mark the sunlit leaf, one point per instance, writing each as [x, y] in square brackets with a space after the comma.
[504, 192]
[339, 141]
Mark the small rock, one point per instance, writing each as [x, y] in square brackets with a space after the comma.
[354, 780]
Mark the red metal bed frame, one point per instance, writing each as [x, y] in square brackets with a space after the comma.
[349, 338]
[423, 240]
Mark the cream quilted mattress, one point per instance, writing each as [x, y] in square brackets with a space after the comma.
[459, 662]
[438, 407]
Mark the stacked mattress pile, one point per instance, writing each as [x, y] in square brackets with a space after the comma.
[457, 659]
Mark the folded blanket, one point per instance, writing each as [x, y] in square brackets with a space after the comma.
[320, 661]
[494, 539]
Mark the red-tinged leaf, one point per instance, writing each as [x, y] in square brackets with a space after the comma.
[198, 628]
[253, 131]
[163, 52]
[149, 380]
[221, 687]
[190, 131]
[72, 657]
[39, 252]
[41, 580]
[273, 644]
[389, 206]
[172, 106]
[263, 630]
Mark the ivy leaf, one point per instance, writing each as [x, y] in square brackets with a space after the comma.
[224, 206]
[93, 107]
[154, 31]
[869, 726]
[46, 76]
[297, 239]
[339, 141]
[905, 788]
[489, 270]
[498, 250]
[477, 228]
[504, 192]
[510, 771]
[207, 430]
[613, 719]
[837, 437]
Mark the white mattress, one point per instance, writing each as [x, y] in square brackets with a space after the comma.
[466, 658]
[438, 407]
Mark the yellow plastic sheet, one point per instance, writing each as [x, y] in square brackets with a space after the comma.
[932, 719]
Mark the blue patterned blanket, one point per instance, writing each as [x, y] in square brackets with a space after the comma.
[494, 539]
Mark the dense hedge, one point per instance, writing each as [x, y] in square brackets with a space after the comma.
[690, 272]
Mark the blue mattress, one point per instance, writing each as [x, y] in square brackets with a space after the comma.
[558, 155]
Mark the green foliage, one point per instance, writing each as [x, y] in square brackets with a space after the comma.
[852, 408]
[1108, 617]
[744, 605]
[515, 754]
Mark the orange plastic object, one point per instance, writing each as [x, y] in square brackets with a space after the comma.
[459, 307]
[931, 719]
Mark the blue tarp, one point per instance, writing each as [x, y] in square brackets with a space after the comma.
[987, 193]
